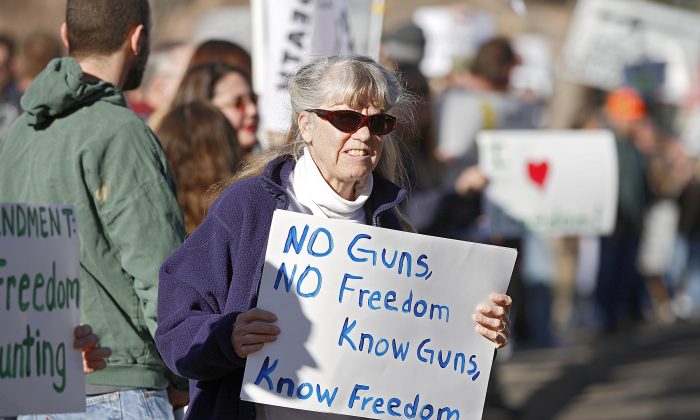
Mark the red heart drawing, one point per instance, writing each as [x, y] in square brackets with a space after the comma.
[538, 172]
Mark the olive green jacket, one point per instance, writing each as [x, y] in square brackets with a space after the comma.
[77, 143]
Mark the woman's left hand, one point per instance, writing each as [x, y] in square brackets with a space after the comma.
[492, 319]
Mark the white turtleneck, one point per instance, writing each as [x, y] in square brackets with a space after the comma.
[310, 193]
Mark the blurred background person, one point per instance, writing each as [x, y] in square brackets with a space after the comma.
[621, 294]
[162, 76]
[202, 150]
[213, 51]
[224, 52]
[481, 99]
[403, 50]
[9, 91]
[229, 89]
[669, 170]
[686, 278]
[35, 53]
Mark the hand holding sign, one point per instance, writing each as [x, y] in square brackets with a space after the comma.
[252, 330]
[493, 320]
[94, 356]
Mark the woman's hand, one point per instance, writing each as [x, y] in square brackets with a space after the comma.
[492, 319]
[94, 356]
[252, 330]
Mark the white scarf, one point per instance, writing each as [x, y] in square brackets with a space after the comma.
[310, 193]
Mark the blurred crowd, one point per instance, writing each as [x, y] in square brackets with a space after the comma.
[200, 102]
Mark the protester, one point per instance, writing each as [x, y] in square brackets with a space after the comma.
[166, 67]
[77, 143]
[688, 295]
[620, 291]
[669, 170]
[203, 150]
[9, 92]
[219, 51]
[339, 162]
[482, 100]
[229, 89]
[404, 50]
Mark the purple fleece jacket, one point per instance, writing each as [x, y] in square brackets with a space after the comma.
[214, 276]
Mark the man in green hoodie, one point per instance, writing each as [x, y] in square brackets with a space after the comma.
[77, 143]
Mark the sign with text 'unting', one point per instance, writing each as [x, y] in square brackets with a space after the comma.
[375, 323]
[554, 182]
[40, 371]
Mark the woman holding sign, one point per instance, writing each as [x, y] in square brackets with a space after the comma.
[341, 162]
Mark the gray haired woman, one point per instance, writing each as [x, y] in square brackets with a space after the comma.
[340, 161]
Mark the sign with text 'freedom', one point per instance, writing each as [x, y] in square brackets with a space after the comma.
[40, 371]
[375, 323]
[555, 182]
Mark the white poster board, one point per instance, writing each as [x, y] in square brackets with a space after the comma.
[374, 322]
[556, 182]
[607, 35]
[451, 32]
[40, 371]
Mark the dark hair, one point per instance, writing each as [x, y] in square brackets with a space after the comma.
[35, 53]
[199, 82]
[494, 60]
[9, 43]
[217, 51]
[101, 26]
[202, 150]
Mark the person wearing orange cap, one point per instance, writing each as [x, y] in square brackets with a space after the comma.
[625, 104]
[621, 288]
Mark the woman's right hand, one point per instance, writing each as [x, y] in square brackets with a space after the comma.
[252, 330]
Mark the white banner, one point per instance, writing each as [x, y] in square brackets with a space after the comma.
[375, 323]
[296, 30]
[40, 371]
[608, 35]
[451, 32]
[557, 182]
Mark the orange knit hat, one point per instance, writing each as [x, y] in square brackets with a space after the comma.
[625, 104]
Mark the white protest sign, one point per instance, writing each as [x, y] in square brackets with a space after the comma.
[451, 32]
[558, 182]
[608, 35]
[40, 371]
[375, 323]
[295, 31]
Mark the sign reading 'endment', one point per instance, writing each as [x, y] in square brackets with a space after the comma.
[40, 372]
[375, 323]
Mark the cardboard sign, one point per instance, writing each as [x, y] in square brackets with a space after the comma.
[606, 36]
[40, 371]
[375, 323]
[557, 182]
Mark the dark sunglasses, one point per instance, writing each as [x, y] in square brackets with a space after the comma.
[350, 121]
